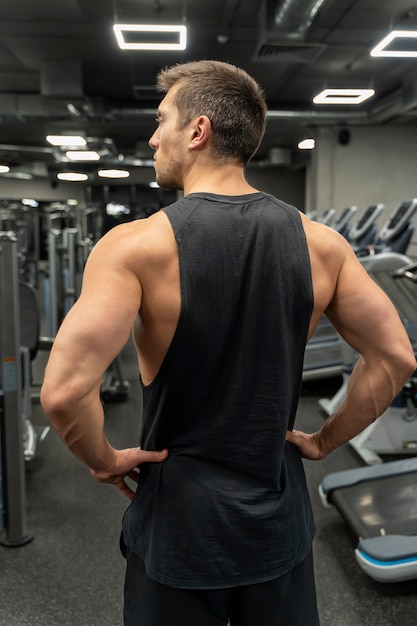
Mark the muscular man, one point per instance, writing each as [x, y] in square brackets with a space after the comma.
[222, 290]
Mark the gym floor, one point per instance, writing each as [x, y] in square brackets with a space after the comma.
[71, 574]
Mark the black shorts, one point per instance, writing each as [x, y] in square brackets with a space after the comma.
[289, 600]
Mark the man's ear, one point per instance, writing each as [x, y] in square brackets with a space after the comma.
[200, 132]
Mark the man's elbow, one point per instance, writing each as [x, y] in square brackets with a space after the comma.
[58, 401]
[405, 366]
[53, 401]
[412, 365]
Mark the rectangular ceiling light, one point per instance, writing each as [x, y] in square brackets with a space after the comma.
[343, 96]
[72, 176]
[113, 173]
[403, 43]
[82, 155]
[66, 140]
[150, 36]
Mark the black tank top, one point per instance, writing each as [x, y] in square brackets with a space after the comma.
[230, 504]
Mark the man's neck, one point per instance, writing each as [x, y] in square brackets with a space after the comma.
[227, 180]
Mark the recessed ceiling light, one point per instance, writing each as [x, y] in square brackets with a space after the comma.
[343, 96]
[66, 140]
[113, 173]
[72, 176]
[4, 169]
[380, 49]
[307, 144]
[153, 37]
[83, 155]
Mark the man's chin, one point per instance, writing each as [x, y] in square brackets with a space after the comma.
[169, 184]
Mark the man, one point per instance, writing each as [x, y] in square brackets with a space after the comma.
[222, 289]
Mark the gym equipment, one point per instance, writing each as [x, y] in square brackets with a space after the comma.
[113, 387]
[30, 343]
[68, 251]
[397, 231]
[379, 504]
[62, 285]
[323, 356]
[12, 473]
[341, 225]
[395, 432]
[312, 215]
[363, 233]
[23, 219]
[327, 217]
[386, 267]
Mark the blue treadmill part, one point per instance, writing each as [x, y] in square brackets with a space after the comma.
[389, 549]
[394, 571]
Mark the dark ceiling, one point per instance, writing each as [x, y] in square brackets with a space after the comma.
[61, 70]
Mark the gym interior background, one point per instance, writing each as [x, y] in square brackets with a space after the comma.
[62, 73]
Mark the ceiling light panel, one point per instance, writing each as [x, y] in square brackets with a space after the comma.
[113, 173]
[66, 140]
[398, 43]
[343, 96]
[82, 155]
[150, 36]
[72, 176]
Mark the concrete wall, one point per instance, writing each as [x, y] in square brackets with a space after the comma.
[286, 184]
[378, 164]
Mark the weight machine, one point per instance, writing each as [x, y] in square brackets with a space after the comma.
[68, 251]
[13, 525]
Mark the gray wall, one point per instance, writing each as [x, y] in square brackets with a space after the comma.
[286, 184]
[379, 164]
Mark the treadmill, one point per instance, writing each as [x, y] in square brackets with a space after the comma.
[363, 233]
[327, 217]
[385, 262]
[341, 225]
[396, 233]
[379, 504]
[323, 357]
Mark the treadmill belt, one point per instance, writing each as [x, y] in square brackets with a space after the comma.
[379, 507]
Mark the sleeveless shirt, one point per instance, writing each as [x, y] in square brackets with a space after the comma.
[230, 504]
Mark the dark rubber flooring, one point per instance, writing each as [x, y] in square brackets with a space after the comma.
[71, 574]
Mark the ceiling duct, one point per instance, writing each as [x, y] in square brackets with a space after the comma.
[282, 28]
[293, 18]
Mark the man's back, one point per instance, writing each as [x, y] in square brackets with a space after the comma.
[225, 396]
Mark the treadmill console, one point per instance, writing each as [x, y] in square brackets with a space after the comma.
[344, 218]
[366, 221]
[327, 217]
[398, 220]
